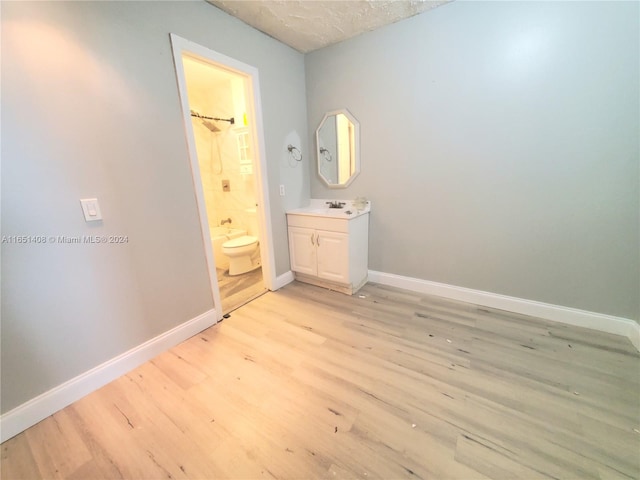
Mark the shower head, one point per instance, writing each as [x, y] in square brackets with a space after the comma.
[211, 126]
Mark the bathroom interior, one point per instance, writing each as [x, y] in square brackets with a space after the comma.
[217, 99]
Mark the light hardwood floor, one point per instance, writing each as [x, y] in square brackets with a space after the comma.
[237, 290]
[308, 383]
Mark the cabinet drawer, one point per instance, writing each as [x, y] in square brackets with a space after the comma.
[319, 223]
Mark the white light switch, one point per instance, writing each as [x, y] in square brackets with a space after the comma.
[91, 209]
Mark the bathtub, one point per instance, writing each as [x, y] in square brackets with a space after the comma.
[219, 235]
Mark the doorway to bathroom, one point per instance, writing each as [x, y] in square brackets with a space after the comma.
[224, 132]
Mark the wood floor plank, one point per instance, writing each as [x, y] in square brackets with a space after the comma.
[18, 460]
[57, 437]
[492, 461]
[309, 383]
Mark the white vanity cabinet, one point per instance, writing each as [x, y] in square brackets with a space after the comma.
[320, 253]
[331, 252]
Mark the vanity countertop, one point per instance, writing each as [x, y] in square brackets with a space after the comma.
[319, 208]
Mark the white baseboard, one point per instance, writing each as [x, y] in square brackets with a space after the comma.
[40, 407]
[283, 280]
[571, 316]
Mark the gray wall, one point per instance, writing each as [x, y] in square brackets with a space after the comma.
[90, 108]
[499, 147]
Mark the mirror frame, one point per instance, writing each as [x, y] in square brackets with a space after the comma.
[319, 157]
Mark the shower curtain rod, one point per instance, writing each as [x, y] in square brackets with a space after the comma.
[197, 115]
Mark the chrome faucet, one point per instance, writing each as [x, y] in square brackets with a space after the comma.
[335, 204]
[228, 220]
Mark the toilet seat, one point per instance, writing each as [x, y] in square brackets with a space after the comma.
[243, 241]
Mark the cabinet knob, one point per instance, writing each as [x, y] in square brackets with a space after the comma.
[312, 239]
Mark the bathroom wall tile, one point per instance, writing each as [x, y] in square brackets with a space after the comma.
[220, 161]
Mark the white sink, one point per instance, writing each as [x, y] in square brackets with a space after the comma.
[318, 208]
[324, 212]
[330, 211]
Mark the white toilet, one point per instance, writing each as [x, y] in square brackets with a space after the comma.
[242, 252]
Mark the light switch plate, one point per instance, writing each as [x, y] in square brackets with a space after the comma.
[91, 209]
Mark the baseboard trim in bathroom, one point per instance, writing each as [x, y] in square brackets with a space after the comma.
[557, 313]
[48, 403]
[282, 280]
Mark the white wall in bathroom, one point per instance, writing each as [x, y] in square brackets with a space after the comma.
[499, 147]
[90, 107]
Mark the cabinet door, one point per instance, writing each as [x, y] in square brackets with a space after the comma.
[302, 250]
[333, 256]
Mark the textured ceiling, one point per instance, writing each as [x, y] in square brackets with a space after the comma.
[307, 25]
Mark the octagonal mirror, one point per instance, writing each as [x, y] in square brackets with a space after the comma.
[338, 148]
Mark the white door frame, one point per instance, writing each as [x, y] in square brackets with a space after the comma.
[182, 46]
